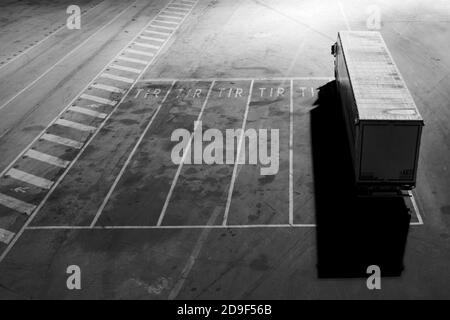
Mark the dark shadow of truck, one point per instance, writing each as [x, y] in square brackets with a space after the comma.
[353, 232]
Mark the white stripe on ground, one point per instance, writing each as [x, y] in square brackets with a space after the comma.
[130, 156]
[61, 140]
[75, 125]
[194, 255]
[238, 79]
[416, 209]
[6, 236]
[16, 204]
[107, 88]
[162, 27]
[148, 54]
[169, 17]
[88, 112]
[63, 58]
[44, 39]
[152, 39]
[291, 155]
[118, 67]
[29, 178]
[146, 45]
[114, 77]
[43, 157]
[181, 227]
[158, 32]
[238, 155]
[187, 150]
[132, 60]
[97, 99]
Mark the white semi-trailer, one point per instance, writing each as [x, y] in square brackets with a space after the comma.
[383, 124]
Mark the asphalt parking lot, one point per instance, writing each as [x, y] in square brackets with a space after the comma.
[88, 176]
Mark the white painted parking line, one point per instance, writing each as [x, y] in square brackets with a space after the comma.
[141, 227]
[158, 32]
[29, 178]
[416, 208]
[133, 70]
[88, 112]
[63, 58]
[75, 125]
[146, 45]
[152, 38]
[114, 77]
[43, 157]
[187, 151]
[164, 21]
[169, 17]
[107, 88]
[130, 156]
[291, 154]
[143, 53]
[162, 27]
[60, 140]
[239, 79]
[6, 236]
[174, 14]
[132, 60]
[16, 204]
[177, 9]
[238, 155]
[98, 99]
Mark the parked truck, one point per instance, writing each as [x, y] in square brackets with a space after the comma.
[383, 124]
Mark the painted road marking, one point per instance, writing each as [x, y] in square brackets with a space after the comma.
[63, 58]
[133, 70]
[16, 204]
[107, 88]
[188, 148]
[164, 21]
[60, 140]
[169, 17]
[416, 209]
[148, 54]
[118, 78]
[158, 32]
[177, 9]
[130, 156]
[6, 236]
[291, 154]
[174, 14]
[151, 38]
[238, 156]
[239, 79]
[146, 45]
[43, 157]
[162, 27]
[98, 99]
[29, 178]
[88, 112]
[183, 5]
[44, 39]
[57, 120]
[132, 60]
[75, 125]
